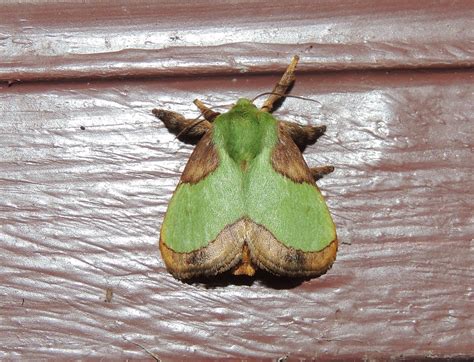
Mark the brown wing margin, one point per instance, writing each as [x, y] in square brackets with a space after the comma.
[203, 160]
[288, 160]
[271, 255]
[222, 254]
[227, 252]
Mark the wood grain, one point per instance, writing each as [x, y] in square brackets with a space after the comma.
[81, 208]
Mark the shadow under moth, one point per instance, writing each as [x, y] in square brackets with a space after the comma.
[247, 199]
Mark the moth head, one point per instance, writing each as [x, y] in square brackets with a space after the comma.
[244, 102]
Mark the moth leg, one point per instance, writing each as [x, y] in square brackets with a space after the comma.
[208, 113]
[319, 172]
[186, 130]
[280, 89]
[302, 135]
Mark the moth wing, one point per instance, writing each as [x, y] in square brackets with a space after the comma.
[290, 231]
[201, 232]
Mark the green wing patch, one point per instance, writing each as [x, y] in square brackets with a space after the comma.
[245, 184]
[246, 198]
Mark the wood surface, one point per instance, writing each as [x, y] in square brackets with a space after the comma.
[86, 173]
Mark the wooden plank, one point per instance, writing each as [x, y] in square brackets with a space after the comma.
[109, 39]
[87, 171]
[81, 211]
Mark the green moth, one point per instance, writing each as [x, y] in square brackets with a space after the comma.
[247, 200]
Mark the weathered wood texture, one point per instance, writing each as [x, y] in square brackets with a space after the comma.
[81, 208]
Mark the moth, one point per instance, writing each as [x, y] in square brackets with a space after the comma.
[246, 199]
